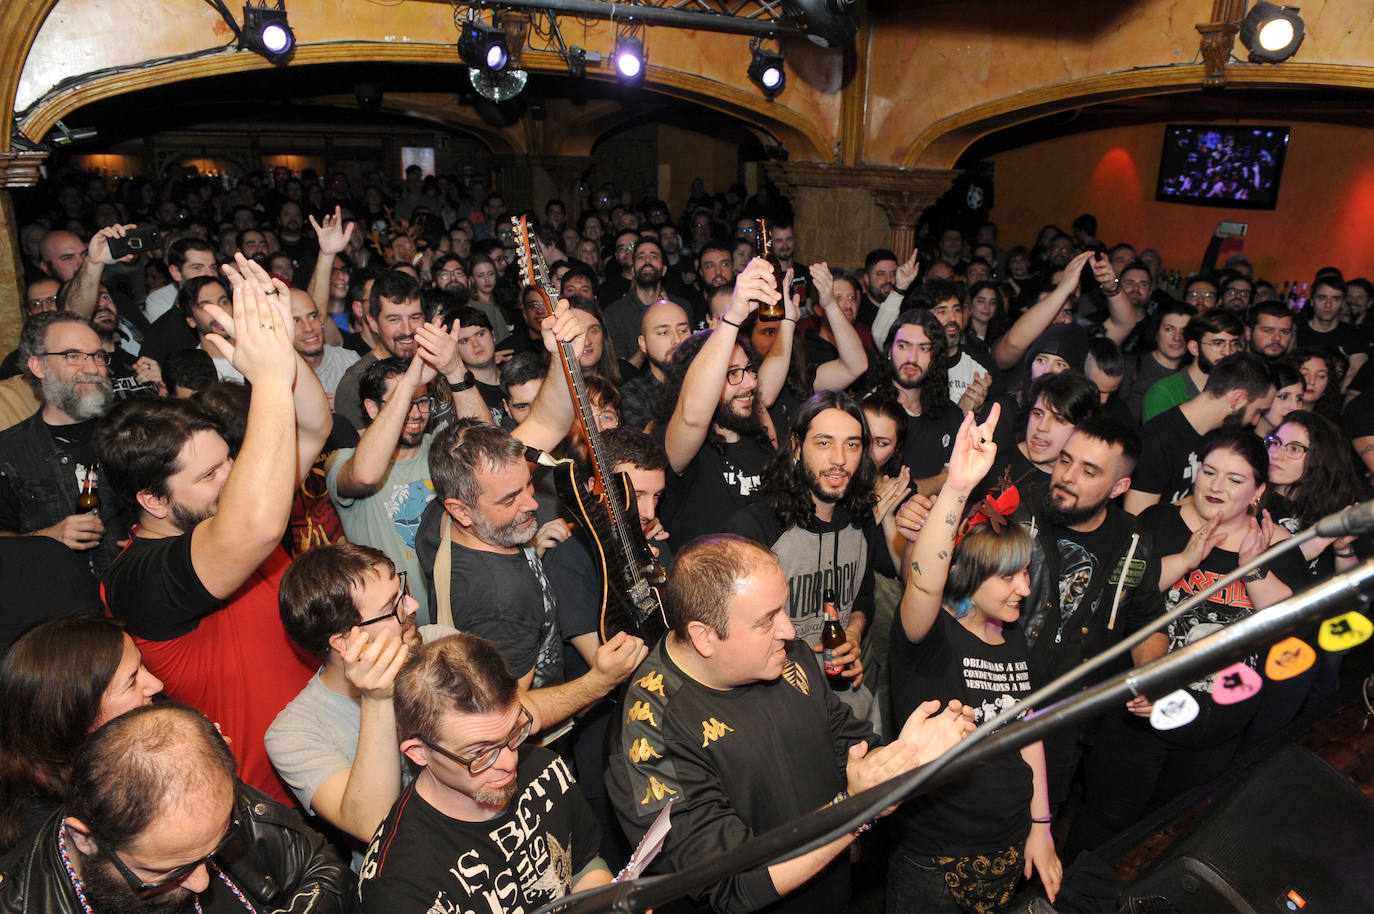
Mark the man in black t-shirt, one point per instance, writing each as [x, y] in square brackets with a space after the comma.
[485, 577]
[1239, 389]
[1079, 605]
[728, 717]
[486, 824]
[48, 461]
[916, 368]
[710, 419]
[1324, 328]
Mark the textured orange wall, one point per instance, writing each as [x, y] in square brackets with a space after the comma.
[1325, 212]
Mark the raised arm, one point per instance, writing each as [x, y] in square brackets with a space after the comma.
[333, 237]
[773, 371]
[700, 394]
[365, 470]
[973, 455]
[840, 372]
[79, 295]
[551, 413]
[892, 305]
[1121, 316]
[1013, 345]
[256, 499]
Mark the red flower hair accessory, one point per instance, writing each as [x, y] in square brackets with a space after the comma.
[994, 510]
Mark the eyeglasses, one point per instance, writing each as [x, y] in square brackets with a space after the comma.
[425, 404]
[1294, 449]
[450, 274]
[1237, 293]
[487, 757]
[75, 357]
[147, 889]
[624, 247]
[38, 304]
[1198, 294]
[736, 375]
[400, 610]
[1224, 345]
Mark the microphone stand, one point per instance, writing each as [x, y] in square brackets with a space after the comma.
[994, 738]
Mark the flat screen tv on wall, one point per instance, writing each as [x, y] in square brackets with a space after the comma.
[1222, 166]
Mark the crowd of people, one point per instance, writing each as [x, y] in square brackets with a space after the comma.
[279, 527]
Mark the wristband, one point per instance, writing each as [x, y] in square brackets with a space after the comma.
[1115, 284]
[1045, 821]
[469, 379]
[792, 319]
[726, 320]
[840, 798]
[1343, 555]
[1259, 574]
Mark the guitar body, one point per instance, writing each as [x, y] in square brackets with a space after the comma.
[627, 572]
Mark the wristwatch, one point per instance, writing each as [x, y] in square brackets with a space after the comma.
[469, 380]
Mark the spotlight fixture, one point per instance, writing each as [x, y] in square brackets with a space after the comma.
[1271, 32]
[577, 62]
[482, 45]
[629, 59]
[766, 71]
[828, 23]
[265, 32]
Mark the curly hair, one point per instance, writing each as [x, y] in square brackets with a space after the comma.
[785, 482]
[676, 372]
[934, 385]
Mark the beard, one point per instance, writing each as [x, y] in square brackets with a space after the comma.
[412, 440]
[84, 399]
[108, 893]
[496, 797]
[186, 518]
[1204, 364]
[511, 536]
[818, 489]
[1066, 516]
[648, 277]
[730, 420]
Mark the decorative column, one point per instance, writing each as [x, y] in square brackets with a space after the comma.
[1219, 39]
[843, 212]
[17, 169]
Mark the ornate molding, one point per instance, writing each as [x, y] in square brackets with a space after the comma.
[20, 169]
[868, 177]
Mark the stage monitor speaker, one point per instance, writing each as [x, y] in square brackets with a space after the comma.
[1294, 836]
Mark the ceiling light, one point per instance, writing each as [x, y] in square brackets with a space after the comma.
[266, 32]
[828, 23]
[1271, 33]
[766, 71]
[482, 45]
[629, 59]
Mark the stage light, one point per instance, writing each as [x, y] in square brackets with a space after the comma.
[828, 23]
[1271, 32]
[629, 59]
[482, 45]
[766, 71]
[266, 32]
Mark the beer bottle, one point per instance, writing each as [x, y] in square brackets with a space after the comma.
[832, 637]
[88, 502]
[763, 247]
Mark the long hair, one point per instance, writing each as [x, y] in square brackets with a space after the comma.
[884, 402]
[51, 682]
[665, 402]
[1329, 403]
[608, 366]
[934, 386]
[1328, 481]
[784, 479]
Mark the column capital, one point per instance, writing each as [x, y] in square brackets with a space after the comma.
[19, 168]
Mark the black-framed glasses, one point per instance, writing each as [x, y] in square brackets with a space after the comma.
[400, 610]
[147, 889]
[425, 404]
[735, 375]
[1294, 449]
[75, 357]
[1200, 294]
[487, 757]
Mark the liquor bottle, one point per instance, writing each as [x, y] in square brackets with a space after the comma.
[832, 637]
[88, 502]
[763, 247]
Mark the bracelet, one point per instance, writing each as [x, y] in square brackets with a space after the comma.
[725, 320]
[1343, 555]
[1045, 821]
[1259, 574]
[840, 798]
[792, 319]
[1116, 285]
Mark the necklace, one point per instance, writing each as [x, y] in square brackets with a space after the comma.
[80, 887]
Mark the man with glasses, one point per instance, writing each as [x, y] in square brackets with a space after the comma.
[1210, 337]
[48, 461]
[486, 824]
[154, 820]
[335, 743]
[381, 487]
[1202, 294]
[1237, 292]
[1238, 391]
[619, 283]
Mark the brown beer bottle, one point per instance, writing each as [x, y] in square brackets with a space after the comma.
[88, 502]
[832, 637]
[763, 247]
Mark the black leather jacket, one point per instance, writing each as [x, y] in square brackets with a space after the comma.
[279, 863]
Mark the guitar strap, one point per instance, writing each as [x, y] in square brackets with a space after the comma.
[443, 574]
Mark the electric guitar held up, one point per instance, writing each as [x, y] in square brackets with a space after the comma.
[604, 505]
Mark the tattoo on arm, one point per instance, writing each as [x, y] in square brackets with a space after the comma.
[951, 519]
[942, 554]
[960, 500]
[916, 567]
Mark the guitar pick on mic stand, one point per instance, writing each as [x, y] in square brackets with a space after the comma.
[1004, 733]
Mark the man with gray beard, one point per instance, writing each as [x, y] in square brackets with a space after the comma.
[48, 461]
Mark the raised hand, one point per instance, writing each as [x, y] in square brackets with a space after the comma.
[332, 234]
[439, 348]
[791, 305]
[98, 249]
[566, 325]
[1102, 270]
[1069, 281]
[974, 451]
[371, 664]
[756, 284]
[260, 328]
[907, 272]
[824, 281]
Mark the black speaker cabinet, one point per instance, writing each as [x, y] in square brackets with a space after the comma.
[1294, 836]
